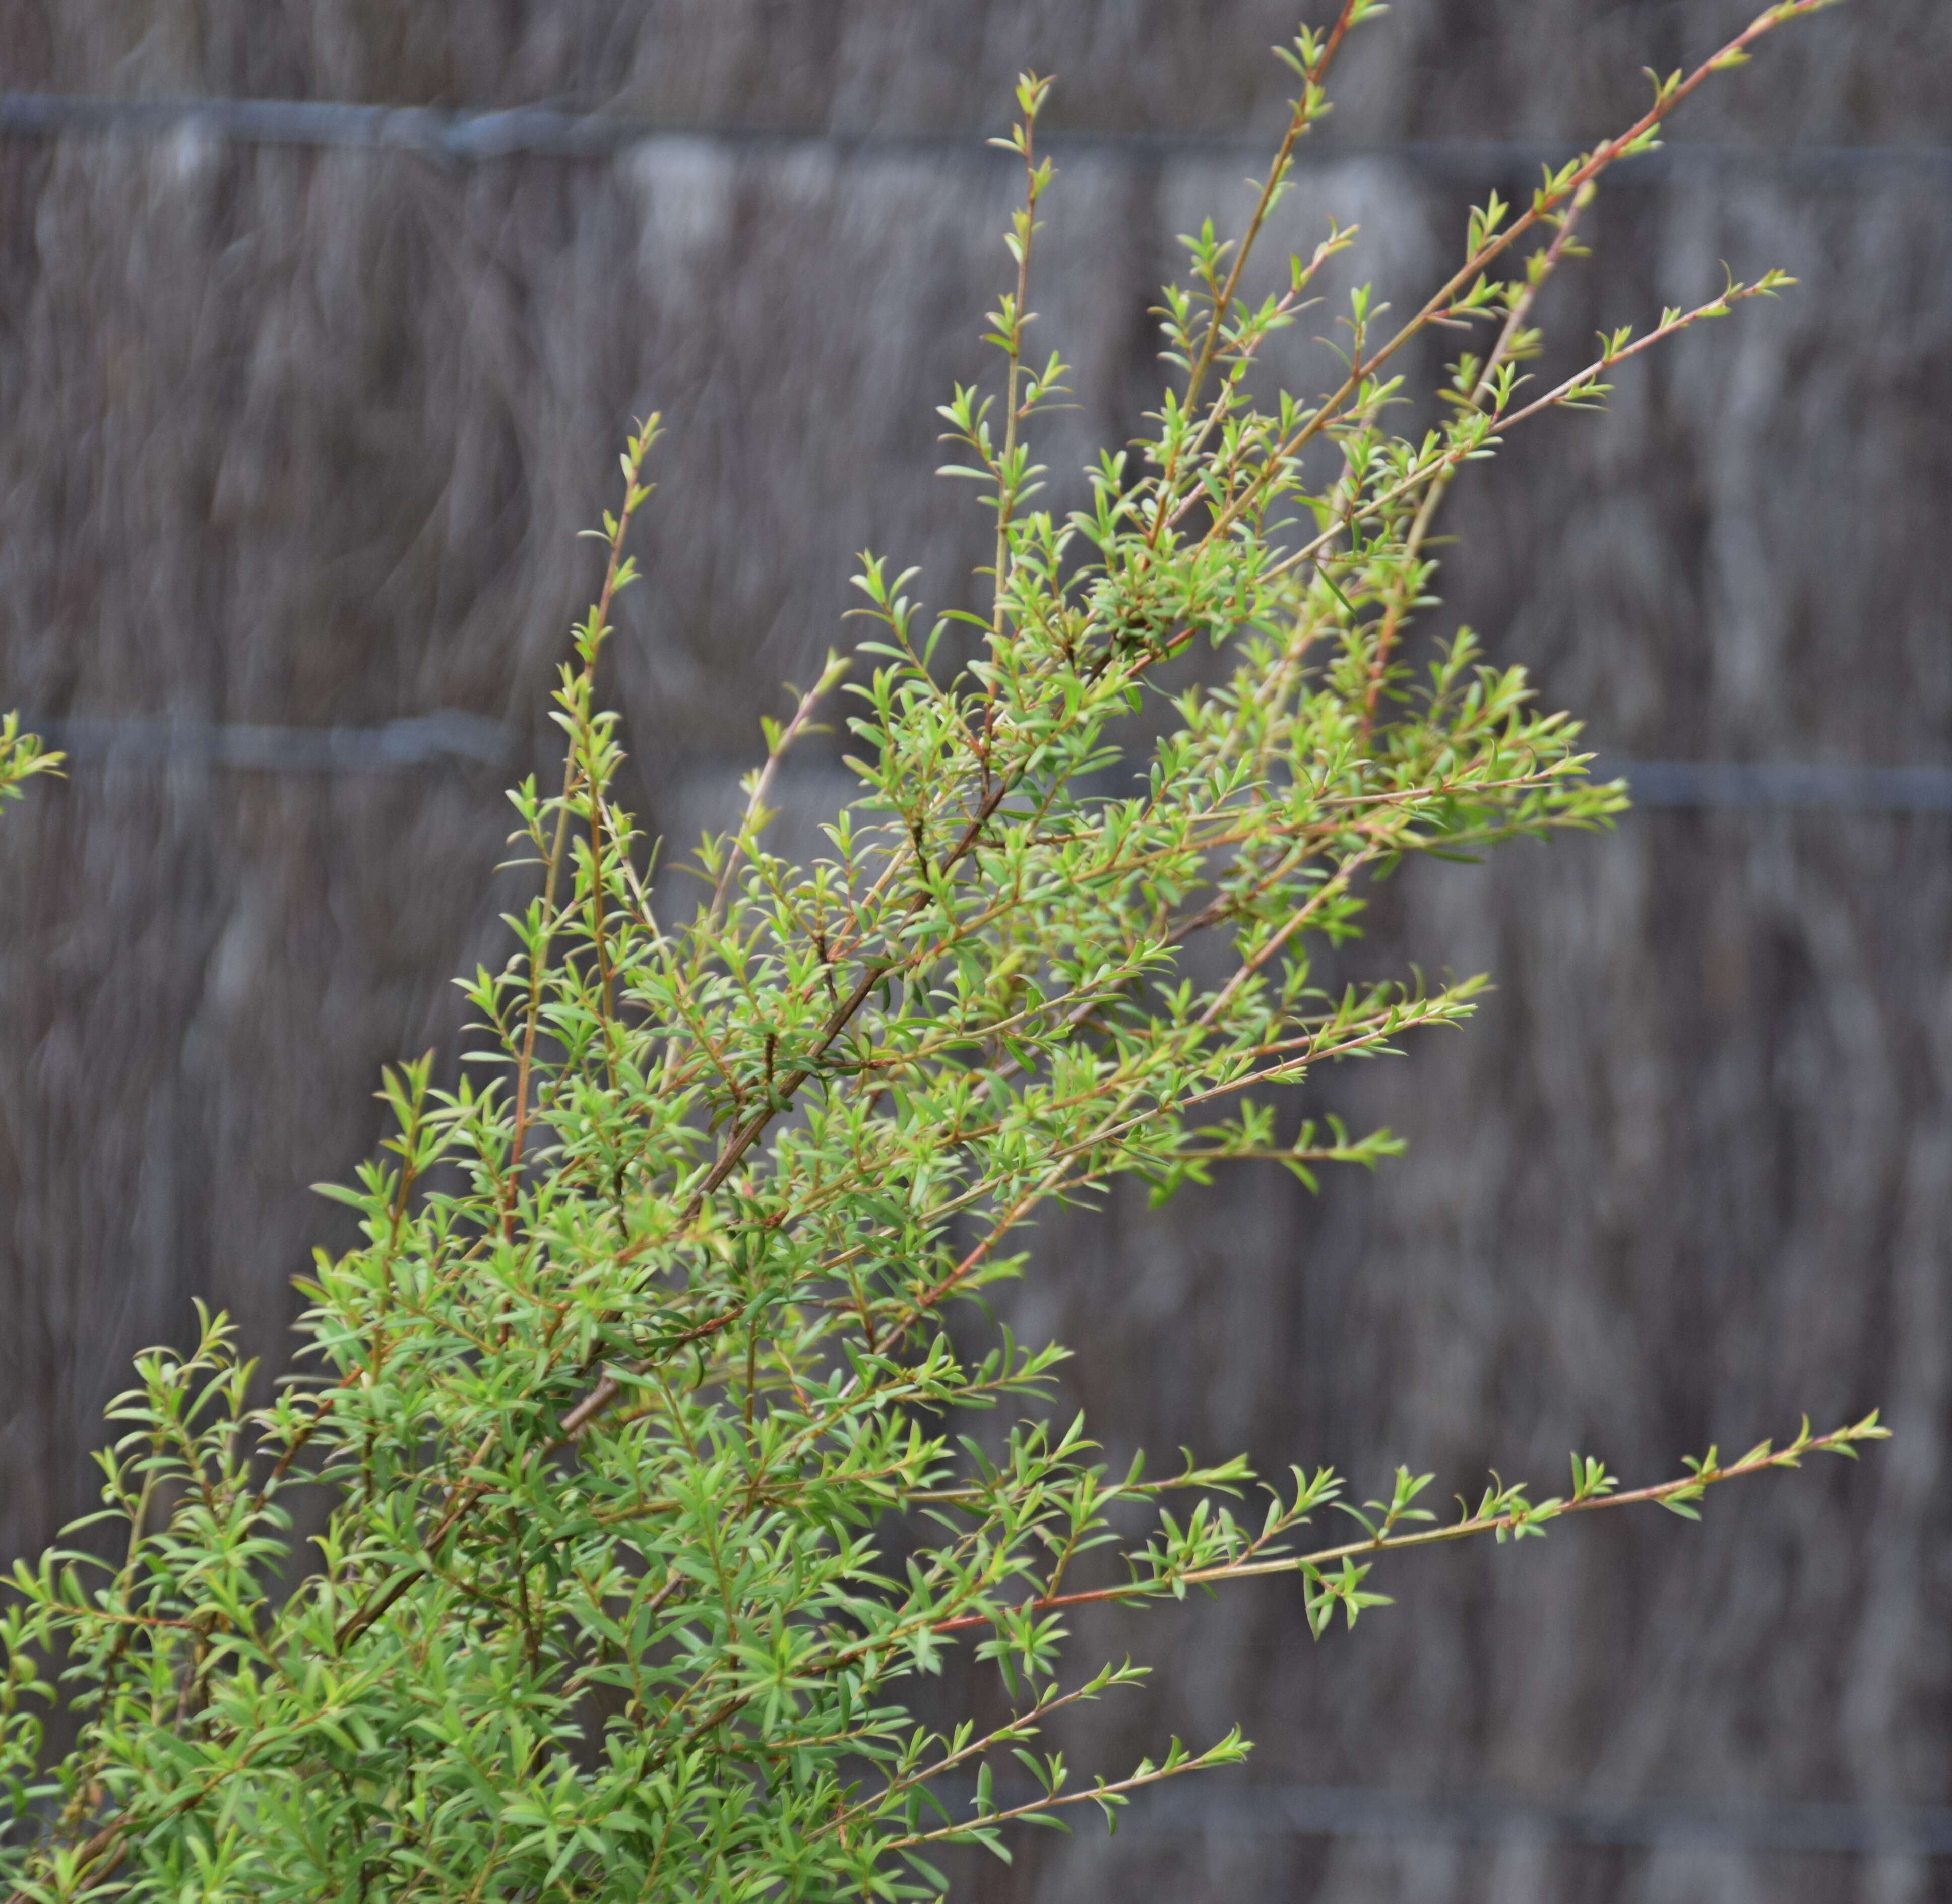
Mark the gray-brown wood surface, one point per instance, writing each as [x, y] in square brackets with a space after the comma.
[298, 437]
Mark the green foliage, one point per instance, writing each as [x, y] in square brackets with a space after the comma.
[22, 756]
[648, 1441]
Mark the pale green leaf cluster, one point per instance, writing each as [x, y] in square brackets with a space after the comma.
[647, 1408]
[22, 756]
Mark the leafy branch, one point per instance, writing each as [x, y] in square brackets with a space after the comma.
[646, 1403]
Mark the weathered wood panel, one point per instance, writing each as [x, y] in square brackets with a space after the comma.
[301, 437]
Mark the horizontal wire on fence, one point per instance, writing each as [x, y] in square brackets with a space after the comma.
[424, 740]
[1832, 789]
[473, 138]
[1481, 1818]
[449, 735]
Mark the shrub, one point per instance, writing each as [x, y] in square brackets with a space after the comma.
[645, 1406]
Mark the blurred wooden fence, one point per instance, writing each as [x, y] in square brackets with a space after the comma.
[300, 415]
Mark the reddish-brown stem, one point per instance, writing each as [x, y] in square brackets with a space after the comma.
[1433, 498]
[1603, 156]
[1686, 1485]
[1299, 122]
